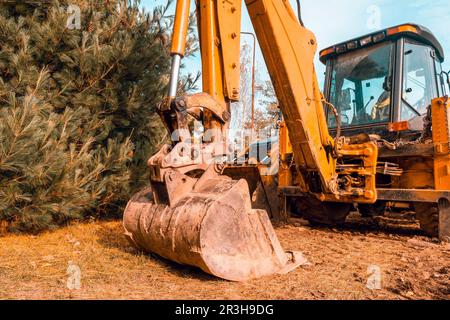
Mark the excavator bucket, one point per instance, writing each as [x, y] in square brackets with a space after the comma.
[212, 226]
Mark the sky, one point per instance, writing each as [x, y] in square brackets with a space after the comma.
[334, 21]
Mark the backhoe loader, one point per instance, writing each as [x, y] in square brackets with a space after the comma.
[369, 140]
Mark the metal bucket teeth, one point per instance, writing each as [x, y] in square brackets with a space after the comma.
[213, 228]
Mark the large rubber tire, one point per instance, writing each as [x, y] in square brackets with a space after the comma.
[444, 220]
[428, 216]
[372, 210]
[322, 213]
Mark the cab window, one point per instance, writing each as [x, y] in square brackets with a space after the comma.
[419, 80]
[361, 86]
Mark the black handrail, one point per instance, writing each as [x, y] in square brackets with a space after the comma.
[447, 75]
[448, 79]
[299, 13]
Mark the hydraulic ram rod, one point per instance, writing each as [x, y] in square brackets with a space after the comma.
[178, 43]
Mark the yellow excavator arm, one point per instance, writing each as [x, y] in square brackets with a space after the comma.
[193, 212]
[288, 49]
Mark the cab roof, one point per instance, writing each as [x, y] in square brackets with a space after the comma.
[409, 30]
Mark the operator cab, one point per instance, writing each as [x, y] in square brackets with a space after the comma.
[383, 83]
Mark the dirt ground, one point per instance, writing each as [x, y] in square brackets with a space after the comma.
[410, 266]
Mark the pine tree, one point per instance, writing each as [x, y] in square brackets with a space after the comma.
[78, 114]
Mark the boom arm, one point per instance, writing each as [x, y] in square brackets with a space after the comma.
[288, 49]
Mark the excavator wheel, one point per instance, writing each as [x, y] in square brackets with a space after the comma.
[428, 216]
[322, 213]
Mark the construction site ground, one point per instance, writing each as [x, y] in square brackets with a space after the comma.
[365, 259]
